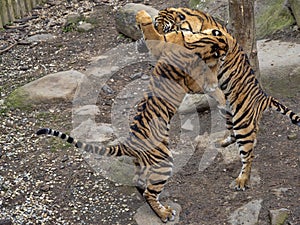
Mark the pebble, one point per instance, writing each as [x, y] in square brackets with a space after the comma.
[45, 188]
[84, 27]
[145, 77]
[107, 89]
[65, 158]
[292, 136]
[136, 75]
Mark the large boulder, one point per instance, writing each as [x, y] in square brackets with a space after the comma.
[125, 19]
[294, 5]
[273, 16]
[52, 88]
[270, 15]
[247, 214]
[279, 216]
[193, 102]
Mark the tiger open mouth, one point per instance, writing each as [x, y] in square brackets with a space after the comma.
[167, 27]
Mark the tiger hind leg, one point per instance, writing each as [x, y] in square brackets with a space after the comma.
[246, 151]
[139, 178]
[155, 183]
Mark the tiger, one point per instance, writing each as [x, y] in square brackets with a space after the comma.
[245, 99]
[147, 142]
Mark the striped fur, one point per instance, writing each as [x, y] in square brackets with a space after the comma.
[148, 137]
[246, 100]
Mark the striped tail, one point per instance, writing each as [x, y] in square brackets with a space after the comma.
[115, 150]
[276, 105]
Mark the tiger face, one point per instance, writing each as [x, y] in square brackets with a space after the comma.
[184, 19]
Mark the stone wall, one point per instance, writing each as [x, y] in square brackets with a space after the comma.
[14, 9]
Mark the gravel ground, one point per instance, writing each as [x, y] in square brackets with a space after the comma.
[38, 184]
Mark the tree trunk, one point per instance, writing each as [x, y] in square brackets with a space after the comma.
[242, 23]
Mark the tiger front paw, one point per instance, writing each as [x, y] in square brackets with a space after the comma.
[143, 18]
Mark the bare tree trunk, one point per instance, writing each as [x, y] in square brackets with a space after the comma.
[241, 20]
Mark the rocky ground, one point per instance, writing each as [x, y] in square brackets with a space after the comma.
[44, 181]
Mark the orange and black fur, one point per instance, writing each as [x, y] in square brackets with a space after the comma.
[246, 101]
[148, 137]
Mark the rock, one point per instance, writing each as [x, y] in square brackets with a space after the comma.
[73, 19]
[117, 169]
[65, 158]
[84, 27]
[40, 37]
[273, 18]
[136, 75]
[125, 19]
[267, 48]
[89, 131]
[279, 192]
[83, 113]
[87, 110]
[188, 125]
[145, 77]
[107, 89]
[247, 214]
[271, 15]
[292, 136]
[6, 222]
[279, 216]
[207, 142]
[145, 215]
[191, 102]
[294, 5]
[56, 87]
[45, 188]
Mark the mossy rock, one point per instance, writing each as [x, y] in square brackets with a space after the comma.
[271, 15]
[18, 99]
[275, 17]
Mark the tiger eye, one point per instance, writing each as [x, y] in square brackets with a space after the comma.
[216, 33]
[181, 16]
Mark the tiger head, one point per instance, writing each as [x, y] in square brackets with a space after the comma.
[212, 44]
[195, 21]
[184, 19]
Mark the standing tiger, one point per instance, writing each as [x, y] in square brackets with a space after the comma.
[245, 99]
[148, 137]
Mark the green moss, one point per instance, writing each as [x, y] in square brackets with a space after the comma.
[18, 99]
[274, 18]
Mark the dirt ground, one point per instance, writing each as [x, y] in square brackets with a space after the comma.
[48, 182]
